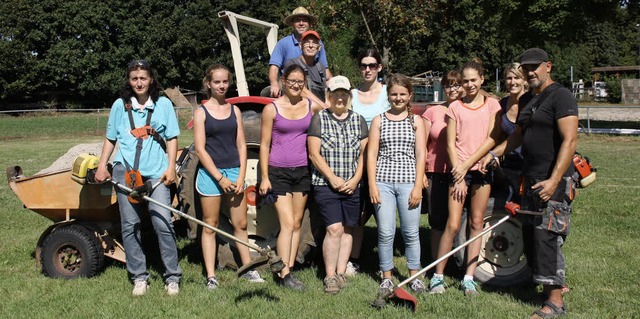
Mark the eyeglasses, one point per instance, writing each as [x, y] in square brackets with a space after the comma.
[294, 82]
[311, 45]
[451, 87]
[371, 66]
[141, 63]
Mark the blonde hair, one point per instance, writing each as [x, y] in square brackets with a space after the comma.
[516, 69]
[404, 81]
[209, 75]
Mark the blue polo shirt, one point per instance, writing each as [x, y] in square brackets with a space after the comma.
[153, 159]
[288, 48]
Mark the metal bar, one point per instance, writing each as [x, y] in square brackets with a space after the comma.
[447, 255]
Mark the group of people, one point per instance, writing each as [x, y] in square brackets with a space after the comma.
[358, 152]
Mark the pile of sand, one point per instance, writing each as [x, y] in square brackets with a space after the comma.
[66, 161]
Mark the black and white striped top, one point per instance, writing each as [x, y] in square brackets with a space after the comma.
[397, 153]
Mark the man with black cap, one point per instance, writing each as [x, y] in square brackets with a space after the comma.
[289, 47]
[547, 129]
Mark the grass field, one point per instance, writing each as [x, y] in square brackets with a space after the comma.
[602, 263]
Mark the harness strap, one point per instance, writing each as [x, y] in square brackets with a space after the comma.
[134, 130]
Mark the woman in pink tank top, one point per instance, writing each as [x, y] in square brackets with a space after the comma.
[283, 164]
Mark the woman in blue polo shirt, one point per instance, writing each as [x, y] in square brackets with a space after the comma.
[141, 106]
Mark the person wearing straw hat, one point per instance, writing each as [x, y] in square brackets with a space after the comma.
[290, 47]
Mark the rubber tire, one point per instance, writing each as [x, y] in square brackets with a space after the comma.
[518, 275]
[81, 244]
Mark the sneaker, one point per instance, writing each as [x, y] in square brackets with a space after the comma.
[212, 283]
[140, 287]
[252, 276]
[386, 286]
[352, 269]
[331, 285]
[417, 286]
[470, 287]
[436, 285]
[296, 280]
[342, 280]
[172, 288]
[289, 282]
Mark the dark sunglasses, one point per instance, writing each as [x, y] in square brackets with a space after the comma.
[141, 63]
[364, 66]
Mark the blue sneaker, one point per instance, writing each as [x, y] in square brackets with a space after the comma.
[436, 285]
[470, 287]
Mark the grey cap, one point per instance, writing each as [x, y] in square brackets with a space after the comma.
[534, 56]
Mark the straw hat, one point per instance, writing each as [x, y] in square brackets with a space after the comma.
[300, 12]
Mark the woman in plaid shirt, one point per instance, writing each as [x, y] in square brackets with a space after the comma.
[336, 140]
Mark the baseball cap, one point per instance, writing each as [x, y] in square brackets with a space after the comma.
[338, 82]
[534, 56]
[310, 32]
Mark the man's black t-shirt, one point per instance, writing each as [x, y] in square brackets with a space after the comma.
[541, 137]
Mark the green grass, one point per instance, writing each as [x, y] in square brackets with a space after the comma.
[601, 253]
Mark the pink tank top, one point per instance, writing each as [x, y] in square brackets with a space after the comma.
[289, 140]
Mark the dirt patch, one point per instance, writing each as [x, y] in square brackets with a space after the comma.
[619, 114]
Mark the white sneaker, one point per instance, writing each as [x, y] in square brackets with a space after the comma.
[172, 288]
[352, 269]
[140, 287]
[252, 276]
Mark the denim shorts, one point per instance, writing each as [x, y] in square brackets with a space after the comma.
[206, 185]
[336, 207]
[290, 179]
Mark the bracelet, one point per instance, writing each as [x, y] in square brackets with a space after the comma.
[493, 154]
[221, 177]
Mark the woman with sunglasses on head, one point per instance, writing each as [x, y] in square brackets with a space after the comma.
[284, 164]
[144, 124]
[368, 100]
[221, 148]
[437, 178]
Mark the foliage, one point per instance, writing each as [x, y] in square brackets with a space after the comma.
[614, 88]
[76, 50]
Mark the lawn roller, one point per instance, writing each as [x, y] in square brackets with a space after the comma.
[87, 172]
[399, 295]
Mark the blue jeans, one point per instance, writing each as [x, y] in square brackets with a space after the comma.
[131, 238]
[395, 196]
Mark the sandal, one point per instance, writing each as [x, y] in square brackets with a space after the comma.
[554, 313]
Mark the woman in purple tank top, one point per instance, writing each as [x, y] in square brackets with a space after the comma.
[283, 164]
[222, 151]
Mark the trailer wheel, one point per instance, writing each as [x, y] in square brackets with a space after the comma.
[502, 261]
[71, 252]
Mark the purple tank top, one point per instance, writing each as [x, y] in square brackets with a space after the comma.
[289, 140]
